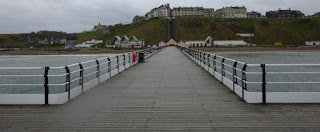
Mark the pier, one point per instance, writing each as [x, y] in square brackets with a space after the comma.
[169, 92]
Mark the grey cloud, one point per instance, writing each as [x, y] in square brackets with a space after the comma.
[78, 15]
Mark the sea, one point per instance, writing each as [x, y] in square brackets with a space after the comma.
[274, 71]
[43, 61]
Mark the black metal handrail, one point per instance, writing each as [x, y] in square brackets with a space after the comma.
[199, 56]
[126, 58]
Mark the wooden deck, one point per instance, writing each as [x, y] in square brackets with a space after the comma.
[168, 92]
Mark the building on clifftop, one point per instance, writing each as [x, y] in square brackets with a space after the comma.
[100, 27]
[254, 14]
[282, 14]
[192, 12]
[231, 12]
[163, 11]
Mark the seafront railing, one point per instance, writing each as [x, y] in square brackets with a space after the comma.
[74, 78]
[265, 86]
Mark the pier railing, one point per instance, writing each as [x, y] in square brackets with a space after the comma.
[267, 86]
[74, 78]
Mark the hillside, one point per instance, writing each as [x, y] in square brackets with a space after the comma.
[26, 40]
[12, 40]
[85, 36]
[151, 31]
[267, 31]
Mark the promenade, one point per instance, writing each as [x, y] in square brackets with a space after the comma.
[169, 92]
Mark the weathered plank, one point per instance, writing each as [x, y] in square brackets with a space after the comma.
[167, 93]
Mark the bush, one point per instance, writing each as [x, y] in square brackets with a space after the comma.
[304, 21]
[264, 23]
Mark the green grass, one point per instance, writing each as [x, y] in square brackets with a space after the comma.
[12, 38]
[267, 31]
[153, 30]
[86, 36]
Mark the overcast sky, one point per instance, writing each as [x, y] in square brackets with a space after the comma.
[23, 16]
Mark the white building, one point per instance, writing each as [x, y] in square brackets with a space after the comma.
[45, 41]
[172, 42]
[162, 43]
[135, 43]
[163, 11]
[208, 42]
[310, 43]
[88, 44]
[231, 12]
[230, 43]
[192, 12]
[125, 42]
[117, 40]
[245, 34]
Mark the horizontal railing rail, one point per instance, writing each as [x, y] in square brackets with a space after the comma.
[238, 70]
[93, 67]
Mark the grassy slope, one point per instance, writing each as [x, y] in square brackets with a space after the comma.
[12, 40]
[267, 31]
[153, 30]
[86, 36]
[288, 31]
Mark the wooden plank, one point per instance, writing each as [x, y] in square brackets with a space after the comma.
[167, 93]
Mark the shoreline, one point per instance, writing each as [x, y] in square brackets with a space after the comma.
[256, 49]
[66, 52]
[237, 49]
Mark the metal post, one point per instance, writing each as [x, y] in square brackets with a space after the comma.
[197, 53]
[222, 69]
[215, 63]
[118, 64]
[124, 61]
[209, 62]
[81, 76]
[129, 61]
[263, 66]
[46, 87]
[137, 58]
[244, 79]
[193, 55]
[235, 80]
[200, 57]
[204, 59]
[98, 70]
[68, 81]
[109, 65]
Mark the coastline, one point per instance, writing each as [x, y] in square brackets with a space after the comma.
[65, 52]
[236, 49]
[261, 49]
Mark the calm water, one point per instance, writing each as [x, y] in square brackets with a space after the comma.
[280, 58]
[43, 61]
[276, 57]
